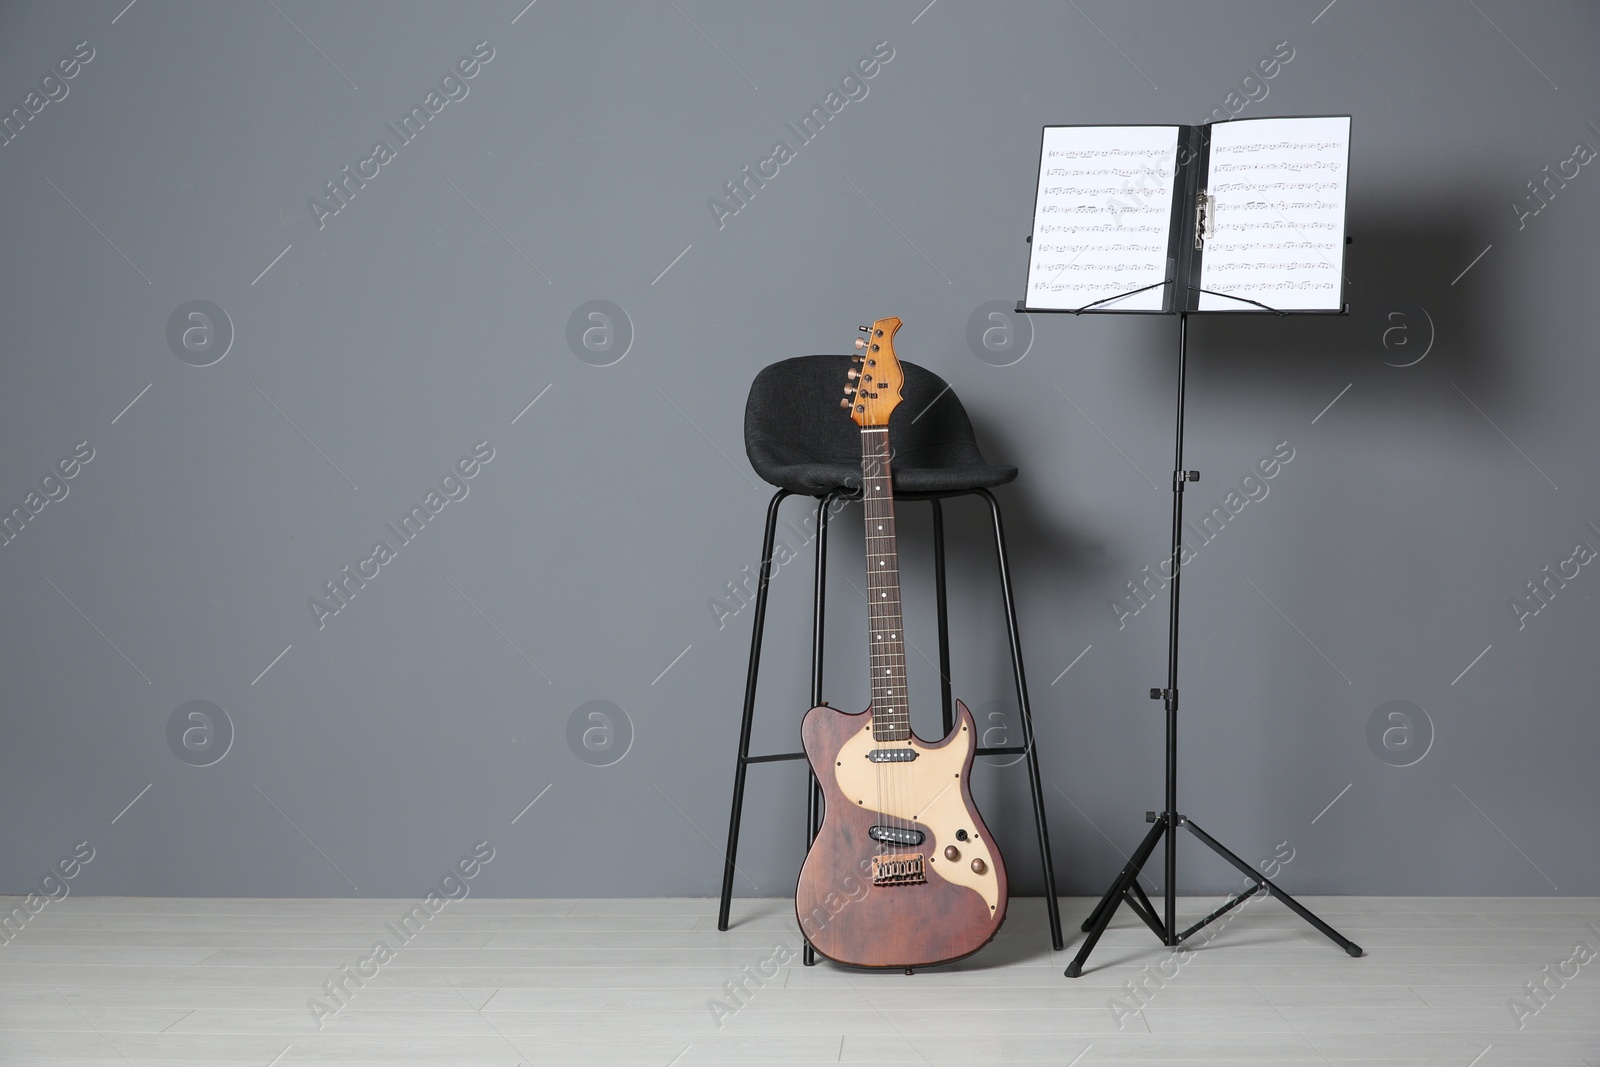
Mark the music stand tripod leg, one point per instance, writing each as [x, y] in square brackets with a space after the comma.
[1114, 895]
[1141, 906]
[1106, 901]
[1294, 905]
[1111, 897]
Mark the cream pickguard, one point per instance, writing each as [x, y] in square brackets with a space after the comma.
[926, 791]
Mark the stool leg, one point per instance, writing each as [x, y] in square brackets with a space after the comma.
[749, 709]
[819, 597]
[1051, 903]
[944, 618]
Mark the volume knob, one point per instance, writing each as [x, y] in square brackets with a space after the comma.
[952, 853]
[978, 866]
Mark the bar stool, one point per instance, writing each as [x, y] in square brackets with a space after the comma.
[798, 440]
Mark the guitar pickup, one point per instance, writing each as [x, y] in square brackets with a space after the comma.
[893, 755]
[898, 868]
[896, 835]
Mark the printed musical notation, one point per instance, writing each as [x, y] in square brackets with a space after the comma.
[1263, 201]
[1103, 217]
[1279, 189]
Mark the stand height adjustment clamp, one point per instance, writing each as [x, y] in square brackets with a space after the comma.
[1179, 477]
[1163, 694]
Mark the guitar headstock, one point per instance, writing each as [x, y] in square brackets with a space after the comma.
[875, 380]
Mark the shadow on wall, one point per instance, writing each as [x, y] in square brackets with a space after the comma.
[1418, 304]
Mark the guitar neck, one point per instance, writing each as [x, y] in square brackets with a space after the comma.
[891, 716]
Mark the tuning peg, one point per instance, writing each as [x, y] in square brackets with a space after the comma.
[861, 342]
[864, 329]
[845, 403]
[849, 390]
[852, 374]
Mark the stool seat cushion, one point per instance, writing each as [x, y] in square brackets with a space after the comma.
[798, 438]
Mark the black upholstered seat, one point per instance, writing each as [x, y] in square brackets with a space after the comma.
[799, 439]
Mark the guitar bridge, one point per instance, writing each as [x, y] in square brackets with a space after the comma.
[898, 868]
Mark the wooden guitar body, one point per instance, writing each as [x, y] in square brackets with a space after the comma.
[868, 902]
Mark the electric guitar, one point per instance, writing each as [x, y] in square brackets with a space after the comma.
[903, 872]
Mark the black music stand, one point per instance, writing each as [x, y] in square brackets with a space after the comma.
[1073, 198]
[1126, 889]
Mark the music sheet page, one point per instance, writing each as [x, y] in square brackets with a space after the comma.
[1103, 217]
[1277, 220]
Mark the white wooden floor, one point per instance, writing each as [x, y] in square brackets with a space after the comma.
[226, 983]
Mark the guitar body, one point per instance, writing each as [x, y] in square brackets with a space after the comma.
[923, 907]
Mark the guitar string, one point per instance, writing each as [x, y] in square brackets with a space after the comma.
[868, 458]
[895, 793]
[899, 704]
[893, 770]
[896, 706]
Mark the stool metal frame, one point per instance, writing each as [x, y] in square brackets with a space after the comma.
[814, 792]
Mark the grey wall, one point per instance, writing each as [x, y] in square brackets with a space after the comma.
[370, 354]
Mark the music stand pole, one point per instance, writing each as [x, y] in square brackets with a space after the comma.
[1126, 889]
[1180, 477]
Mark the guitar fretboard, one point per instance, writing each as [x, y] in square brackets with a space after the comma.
[891, 716]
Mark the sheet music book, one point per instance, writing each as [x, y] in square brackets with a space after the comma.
[1228, 216]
